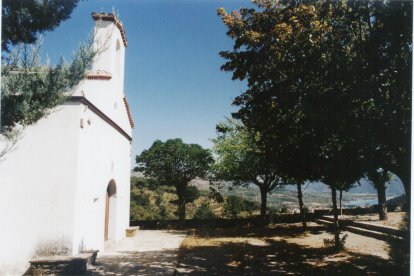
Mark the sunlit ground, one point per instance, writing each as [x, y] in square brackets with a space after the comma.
[282, 249]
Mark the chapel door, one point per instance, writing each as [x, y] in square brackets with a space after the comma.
[106, 216]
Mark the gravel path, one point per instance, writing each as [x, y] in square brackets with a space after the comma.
[150, 252]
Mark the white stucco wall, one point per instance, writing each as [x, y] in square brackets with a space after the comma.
[110, 151]
[36, 180]
[109, 159]
[54, 183]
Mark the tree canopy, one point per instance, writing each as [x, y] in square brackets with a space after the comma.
[175, 163]
[326, 80]
[240, 160]
[30, 89]
[24, 20]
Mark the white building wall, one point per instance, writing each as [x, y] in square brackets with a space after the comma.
[54, 184]
[108, 95]
[104, 155]
[37, 183]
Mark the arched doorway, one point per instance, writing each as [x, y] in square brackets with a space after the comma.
[110, 205]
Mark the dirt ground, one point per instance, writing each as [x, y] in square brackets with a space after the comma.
[281, 250]
[394, 219]
[150, 252]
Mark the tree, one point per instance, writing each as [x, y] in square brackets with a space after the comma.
[30, 90]
[313, 80]
[379, 179]
[241, 161]
[175, 163]
[23, 21]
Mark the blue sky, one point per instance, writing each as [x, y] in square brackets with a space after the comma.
[173, 80]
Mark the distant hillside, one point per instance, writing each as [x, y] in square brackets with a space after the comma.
[395, 188]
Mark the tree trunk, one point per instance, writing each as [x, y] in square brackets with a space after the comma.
[336, 221]
[263, 205]
[382, 201]
[301, 209]
[340, 202]
[181, 206]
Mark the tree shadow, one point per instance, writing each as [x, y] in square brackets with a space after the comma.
[136, 263]
[275, 257]
[286, 230]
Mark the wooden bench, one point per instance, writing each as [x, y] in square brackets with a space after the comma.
[62, 265]
[131, 231]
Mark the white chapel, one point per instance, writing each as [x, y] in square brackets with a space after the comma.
[66, 186]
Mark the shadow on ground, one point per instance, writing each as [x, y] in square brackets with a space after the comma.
[136, 263]
[274, 257]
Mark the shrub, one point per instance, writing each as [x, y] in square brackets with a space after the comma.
[139, 197]
[143, 182]
[284, 210]
[233, 206]
[250, 206]
[399, 250]
[331, 242]
[204, 212]
[191, 194]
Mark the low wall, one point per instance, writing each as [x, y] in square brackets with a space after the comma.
[219, 222]
[240, 222]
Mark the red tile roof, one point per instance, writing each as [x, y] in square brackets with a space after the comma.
[111, 17]
[131, 122]
[98, 75]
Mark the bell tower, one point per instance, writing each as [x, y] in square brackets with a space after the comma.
[110, 42]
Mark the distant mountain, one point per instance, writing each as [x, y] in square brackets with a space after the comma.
[397, 200]
[395, 187]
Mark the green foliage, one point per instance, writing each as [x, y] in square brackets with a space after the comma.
[23, 21]
[215, 195]
[204, 212]
[284, 210]
[191, 194]
[240, 159]
[143, 182]
[330, 243]
[250, 206]
[175, 163]
[140, 199]
[234, 205]
[399, 250]
[326, 81]
[30, 90]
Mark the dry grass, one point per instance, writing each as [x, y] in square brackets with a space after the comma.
[394, 219]
[283, 249]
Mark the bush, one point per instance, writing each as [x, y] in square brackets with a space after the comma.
[233, 206]
[400, 249]
[204, 212]
[250, 206]
[191, 194]
[284, 210]
[143, 182]
[331, 242]
[140, 198]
